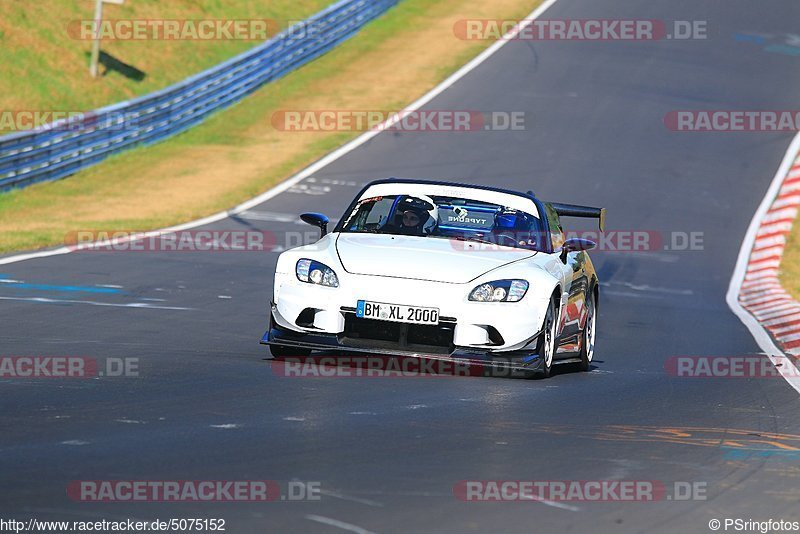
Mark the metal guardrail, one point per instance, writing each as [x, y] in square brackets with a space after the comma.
[65, 147]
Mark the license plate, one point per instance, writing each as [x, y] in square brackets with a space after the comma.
[397, 312]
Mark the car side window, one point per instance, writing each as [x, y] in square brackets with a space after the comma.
[554, 223]
[371, 213]
[379, 212]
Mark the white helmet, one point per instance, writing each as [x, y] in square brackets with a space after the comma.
[421, 204]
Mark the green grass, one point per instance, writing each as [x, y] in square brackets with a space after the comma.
[49, 68]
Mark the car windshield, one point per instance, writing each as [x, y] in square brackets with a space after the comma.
[446, 217]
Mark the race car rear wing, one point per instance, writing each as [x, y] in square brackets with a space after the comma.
[572, 210]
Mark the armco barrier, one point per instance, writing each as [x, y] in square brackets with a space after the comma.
[58, 150]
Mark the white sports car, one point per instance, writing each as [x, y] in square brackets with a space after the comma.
[441, 270]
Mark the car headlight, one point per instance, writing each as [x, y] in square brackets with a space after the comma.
[314, 272]
[500, 291]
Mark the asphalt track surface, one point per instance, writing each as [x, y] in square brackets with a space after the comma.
[388, 451]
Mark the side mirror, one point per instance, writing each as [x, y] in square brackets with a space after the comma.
[574, 245]
[316, 219]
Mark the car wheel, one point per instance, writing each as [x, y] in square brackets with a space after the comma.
[546, 348]
[282, 351]
[589, 333]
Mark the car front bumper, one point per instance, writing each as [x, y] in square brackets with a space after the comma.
[481, 326]
[499, 362]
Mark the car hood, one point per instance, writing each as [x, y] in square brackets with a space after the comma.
[422, 258]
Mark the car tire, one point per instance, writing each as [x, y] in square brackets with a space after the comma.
[282, 351]
[588, 334]
[548, 341]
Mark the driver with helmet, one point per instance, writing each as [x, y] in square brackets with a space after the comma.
[417, 215]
